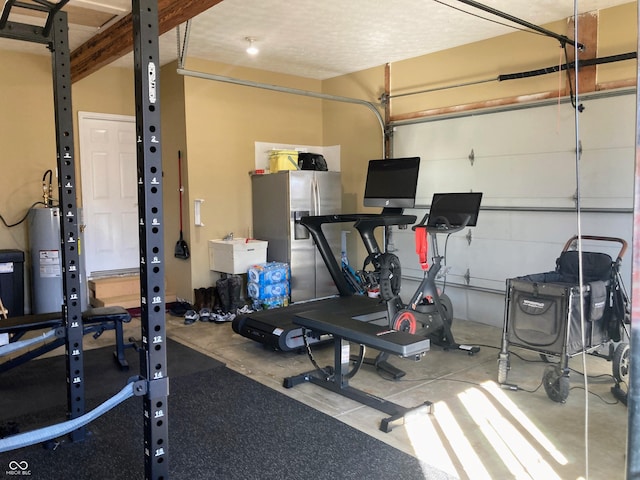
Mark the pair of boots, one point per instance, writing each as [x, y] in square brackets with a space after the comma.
[203, 303]
[229, 292]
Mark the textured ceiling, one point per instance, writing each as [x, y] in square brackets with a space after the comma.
[333, 37]
[325, 39]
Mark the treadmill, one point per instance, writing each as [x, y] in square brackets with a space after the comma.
[391, 184]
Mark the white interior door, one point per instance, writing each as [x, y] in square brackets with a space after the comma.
[109, 192]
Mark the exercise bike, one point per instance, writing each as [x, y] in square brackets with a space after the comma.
[429, 313]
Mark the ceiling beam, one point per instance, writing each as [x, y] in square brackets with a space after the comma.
[117, 40]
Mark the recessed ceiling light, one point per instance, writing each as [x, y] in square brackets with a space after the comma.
[251, 49]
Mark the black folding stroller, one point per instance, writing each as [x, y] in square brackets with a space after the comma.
[543, 314]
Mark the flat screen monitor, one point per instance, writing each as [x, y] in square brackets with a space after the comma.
[455, 208]
[392, 183]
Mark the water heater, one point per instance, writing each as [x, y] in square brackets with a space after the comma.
[46, 260]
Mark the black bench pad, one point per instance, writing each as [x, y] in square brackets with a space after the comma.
[94, 320]
[375, 336]
[52, 320]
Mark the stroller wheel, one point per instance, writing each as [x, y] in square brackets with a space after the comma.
[621, 363]
[556, 384]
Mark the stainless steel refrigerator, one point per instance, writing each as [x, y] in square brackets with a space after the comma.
[279, 201]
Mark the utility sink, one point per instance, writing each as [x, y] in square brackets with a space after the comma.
[236, 255]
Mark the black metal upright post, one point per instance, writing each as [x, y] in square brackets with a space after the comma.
[149, 153]
[55, 35]
[71, 308]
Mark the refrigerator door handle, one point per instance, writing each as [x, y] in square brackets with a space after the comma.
[316, 196]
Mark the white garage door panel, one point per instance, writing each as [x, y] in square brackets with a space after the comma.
[517, 180]
[610, 225]
[525, 165]
[437, 176]
[608, 122]
[606, 177]
[441, 140]
[524, 180]
[548, 131]
[491, 260]
[534, 136]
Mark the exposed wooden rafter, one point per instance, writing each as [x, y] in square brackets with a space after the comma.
[117, 40]
[588, 36]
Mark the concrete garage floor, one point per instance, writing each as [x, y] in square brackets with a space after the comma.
[477, 430]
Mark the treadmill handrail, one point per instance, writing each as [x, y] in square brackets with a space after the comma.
[365, 223]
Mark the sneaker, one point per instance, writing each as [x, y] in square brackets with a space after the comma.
[179, 308]
[223, 317]
[205, 314]
[191, 316]
[244, 310]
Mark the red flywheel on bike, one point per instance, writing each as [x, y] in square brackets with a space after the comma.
[405, 321]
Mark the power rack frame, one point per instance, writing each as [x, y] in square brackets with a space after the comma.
[154, 382]
[54, 34]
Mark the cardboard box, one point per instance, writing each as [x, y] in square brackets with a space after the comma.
[121, 290]
[114, 286]
[126, 301]
[237, 255]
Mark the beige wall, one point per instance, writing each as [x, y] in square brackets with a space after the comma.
[359, 133]
[618, 33]
[512, 53]
[215, 125]
[173, 125]
[475, 63]
[27, 133]
[223, 122]
[27, 138]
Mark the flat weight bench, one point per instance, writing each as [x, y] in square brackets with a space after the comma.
[95, 320]
[345, 330]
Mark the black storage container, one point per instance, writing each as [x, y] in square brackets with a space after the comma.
[544, 313]
[12, 281]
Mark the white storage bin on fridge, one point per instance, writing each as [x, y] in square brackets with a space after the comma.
[237, 255]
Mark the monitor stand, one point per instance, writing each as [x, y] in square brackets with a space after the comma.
[392, 211]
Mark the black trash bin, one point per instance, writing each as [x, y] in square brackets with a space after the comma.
[12, 281]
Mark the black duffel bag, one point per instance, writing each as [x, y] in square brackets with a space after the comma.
[311, 161]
